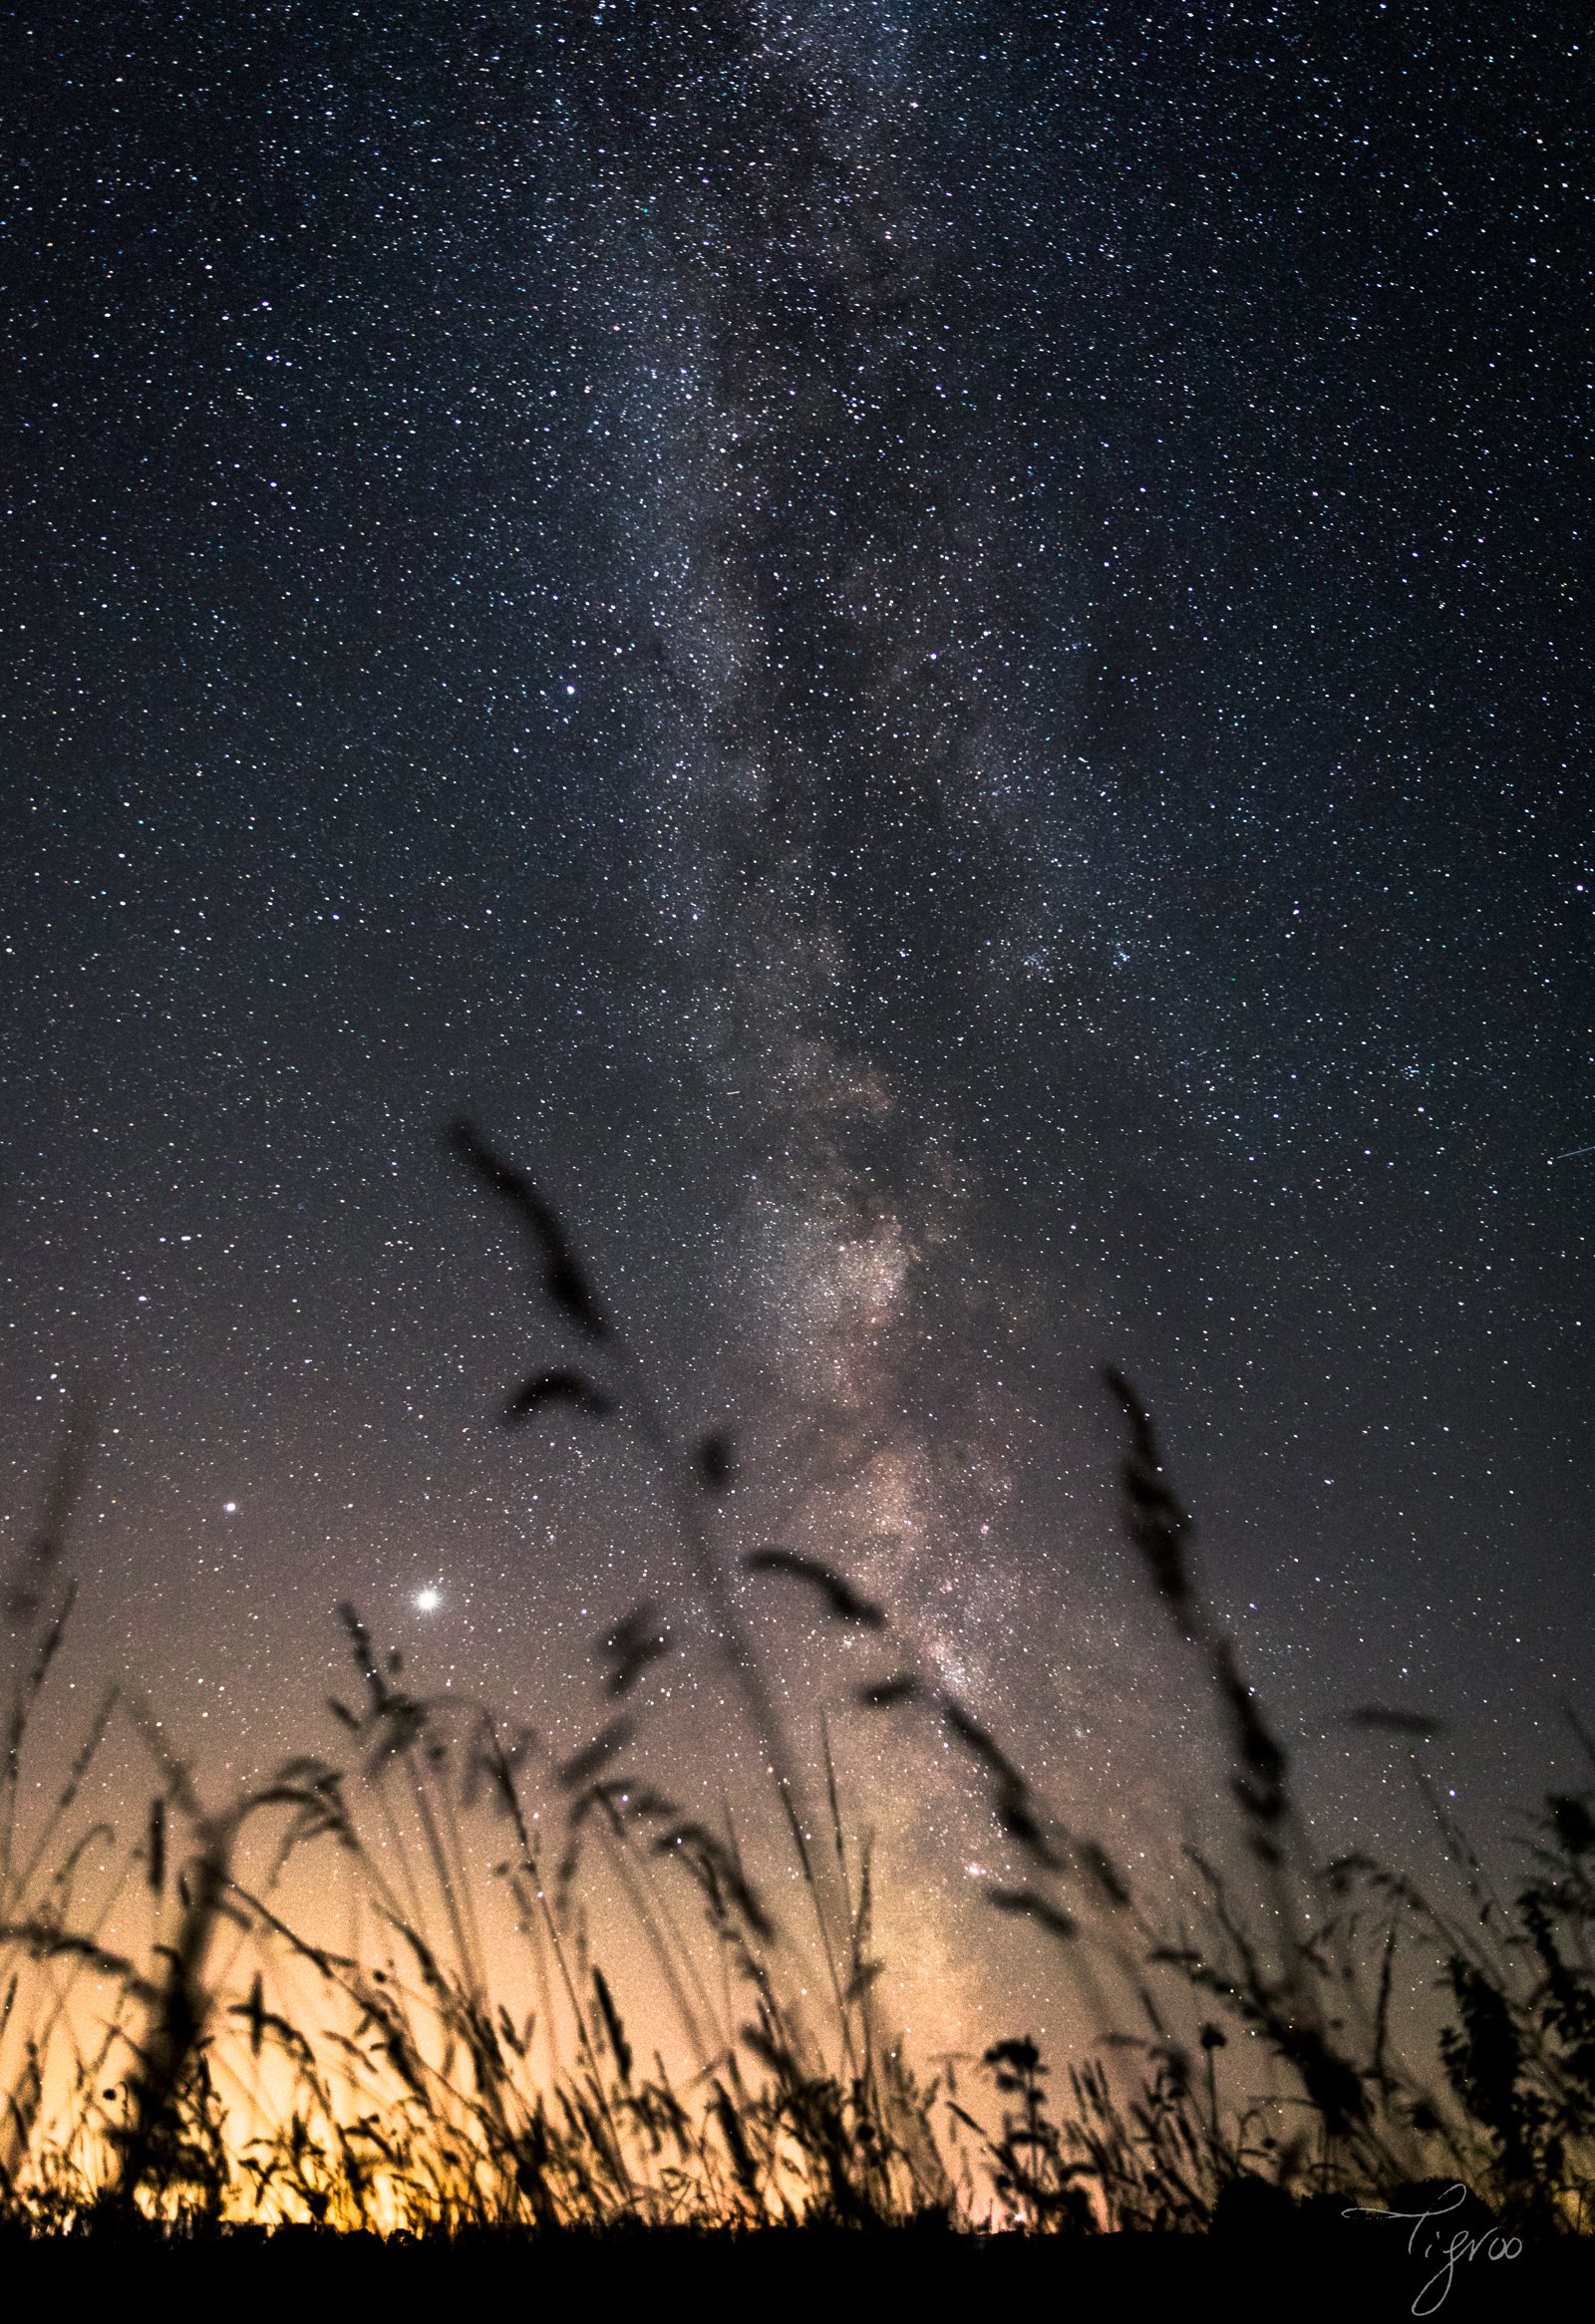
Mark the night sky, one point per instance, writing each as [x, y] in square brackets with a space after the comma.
[932, 656]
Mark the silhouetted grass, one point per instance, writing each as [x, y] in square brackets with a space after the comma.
[239, 2068]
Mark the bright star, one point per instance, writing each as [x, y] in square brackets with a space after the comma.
[428, 1599]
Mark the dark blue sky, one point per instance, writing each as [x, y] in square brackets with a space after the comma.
[934, 655]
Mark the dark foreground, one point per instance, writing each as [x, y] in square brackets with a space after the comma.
[1360, 2270]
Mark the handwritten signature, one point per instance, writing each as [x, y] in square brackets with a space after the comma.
[1460, 2249]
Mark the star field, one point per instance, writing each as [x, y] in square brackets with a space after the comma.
[934, 659]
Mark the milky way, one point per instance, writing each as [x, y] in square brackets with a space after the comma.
[929, 657]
